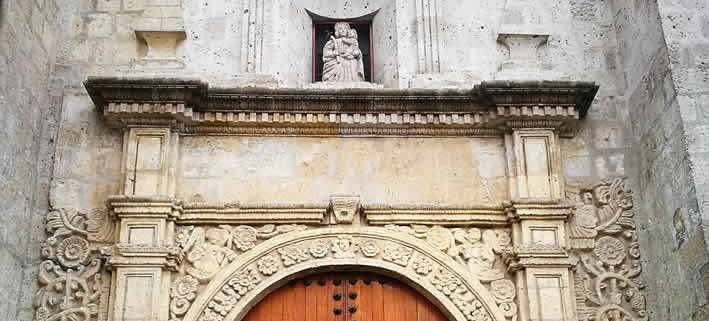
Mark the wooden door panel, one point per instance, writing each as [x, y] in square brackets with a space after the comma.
[360, 297]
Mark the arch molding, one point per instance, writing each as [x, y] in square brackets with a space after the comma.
[258, 272]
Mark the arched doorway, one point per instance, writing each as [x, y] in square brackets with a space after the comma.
[349, 296]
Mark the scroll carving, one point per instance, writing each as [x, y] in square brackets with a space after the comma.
[476, 249]
[608, 273]
[70, 279]
[480, 251]
[205, 250]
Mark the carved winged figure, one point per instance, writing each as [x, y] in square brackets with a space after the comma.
[208, 252]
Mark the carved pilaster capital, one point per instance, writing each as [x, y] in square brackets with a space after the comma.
[141, 255]
[538, 209]
[125, 206]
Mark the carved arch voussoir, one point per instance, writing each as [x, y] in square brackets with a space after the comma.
[244, 282]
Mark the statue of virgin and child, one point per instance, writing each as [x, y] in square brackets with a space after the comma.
[342, 59]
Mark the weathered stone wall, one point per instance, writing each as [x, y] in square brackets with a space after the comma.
[664, 175]
[27, 134]
[684, 24]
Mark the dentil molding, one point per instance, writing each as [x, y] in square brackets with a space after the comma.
[488, 109]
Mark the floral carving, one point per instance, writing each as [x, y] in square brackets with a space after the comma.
[73, 251]
[205, 250]
[608, 279]
[422, 265]
[504, 292]
[182, 292]
[244, 237]
[441, 238]
[225, 300]
[369, 248]
[267, 265]
[445, 281]
[69, 278]
[319, 248]
[397, 253]
[71, 294]
[344, 247]
[609, 250]
[308, 252]
[293, 254]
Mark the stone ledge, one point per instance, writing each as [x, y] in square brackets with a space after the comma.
[487, 109]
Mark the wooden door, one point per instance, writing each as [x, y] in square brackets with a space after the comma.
[345, 297]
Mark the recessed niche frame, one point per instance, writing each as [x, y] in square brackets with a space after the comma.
[323, 28]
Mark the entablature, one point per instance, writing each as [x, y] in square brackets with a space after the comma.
[487, 109]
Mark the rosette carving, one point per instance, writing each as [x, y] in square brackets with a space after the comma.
[229, 294]
[293, 254]
[69, 278]
[397, 253]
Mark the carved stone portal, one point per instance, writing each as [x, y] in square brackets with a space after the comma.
[547, 253]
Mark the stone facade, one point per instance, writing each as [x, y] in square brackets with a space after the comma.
[189, 84]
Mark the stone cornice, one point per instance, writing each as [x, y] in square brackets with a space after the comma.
[487, 109]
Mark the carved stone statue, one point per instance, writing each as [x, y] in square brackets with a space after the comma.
[342, 58]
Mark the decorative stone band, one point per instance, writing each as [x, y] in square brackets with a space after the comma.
[203, 213]
[488, 109]
[311, 214]
[237, 287]
[431, 214]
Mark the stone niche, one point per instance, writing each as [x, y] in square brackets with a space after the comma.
[228, 193]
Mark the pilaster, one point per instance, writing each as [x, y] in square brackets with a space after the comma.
[538, 213]
[144, 256]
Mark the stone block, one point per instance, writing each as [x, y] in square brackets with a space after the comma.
[148, 24]
[134, 5]
[100, 25]
[171, 12]
[172, 24]
[108, 5]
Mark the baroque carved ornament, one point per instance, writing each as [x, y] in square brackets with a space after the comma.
[74, 279]
[608, 287]
[70, 277]
[333, 246]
